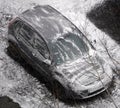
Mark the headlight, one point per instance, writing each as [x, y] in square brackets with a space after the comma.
[84, 93]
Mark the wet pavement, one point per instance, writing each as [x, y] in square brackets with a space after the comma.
[6, 102]
[20, 82]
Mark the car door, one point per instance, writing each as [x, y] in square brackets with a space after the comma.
[41, 52]
[24, 36]
[33, 47]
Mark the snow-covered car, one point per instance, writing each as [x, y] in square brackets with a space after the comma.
[59, 51]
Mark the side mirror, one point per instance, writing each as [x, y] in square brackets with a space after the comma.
[47, 61]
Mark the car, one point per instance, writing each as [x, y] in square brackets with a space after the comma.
[59, 51]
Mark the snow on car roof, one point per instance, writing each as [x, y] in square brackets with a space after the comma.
[48, 21]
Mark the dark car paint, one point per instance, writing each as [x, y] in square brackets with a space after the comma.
[48, 31]
[47, 20]
[26, 53]
[45, 32]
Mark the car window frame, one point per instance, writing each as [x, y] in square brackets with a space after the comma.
[29, 25]
[41, 39]
[18, 35]
[24, 29]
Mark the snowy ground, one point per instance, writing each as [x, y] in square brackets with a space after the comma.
[26, 89]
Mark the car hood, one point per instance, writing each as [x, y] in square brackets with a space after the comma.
[83, 71]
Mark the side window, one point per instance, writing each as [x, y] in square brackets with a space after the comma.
[40, 45]
[26, 32]
[33, 39]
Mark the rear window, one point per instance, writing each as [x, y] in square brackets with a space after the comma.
[14, 27]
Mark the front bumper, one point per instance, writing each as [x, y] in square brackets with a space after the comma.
[96, 88]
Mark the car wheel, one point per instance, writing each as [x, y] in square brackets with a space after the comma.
[58, 90]
[13, 51]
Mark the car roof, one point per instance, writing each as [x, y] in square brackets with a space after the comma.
[48, 21]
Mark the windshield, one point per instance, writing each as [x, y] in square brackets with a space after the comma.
[68, 48]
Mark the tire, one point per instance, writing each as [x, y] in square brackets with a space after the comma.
[13, 51]
[58, 90]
